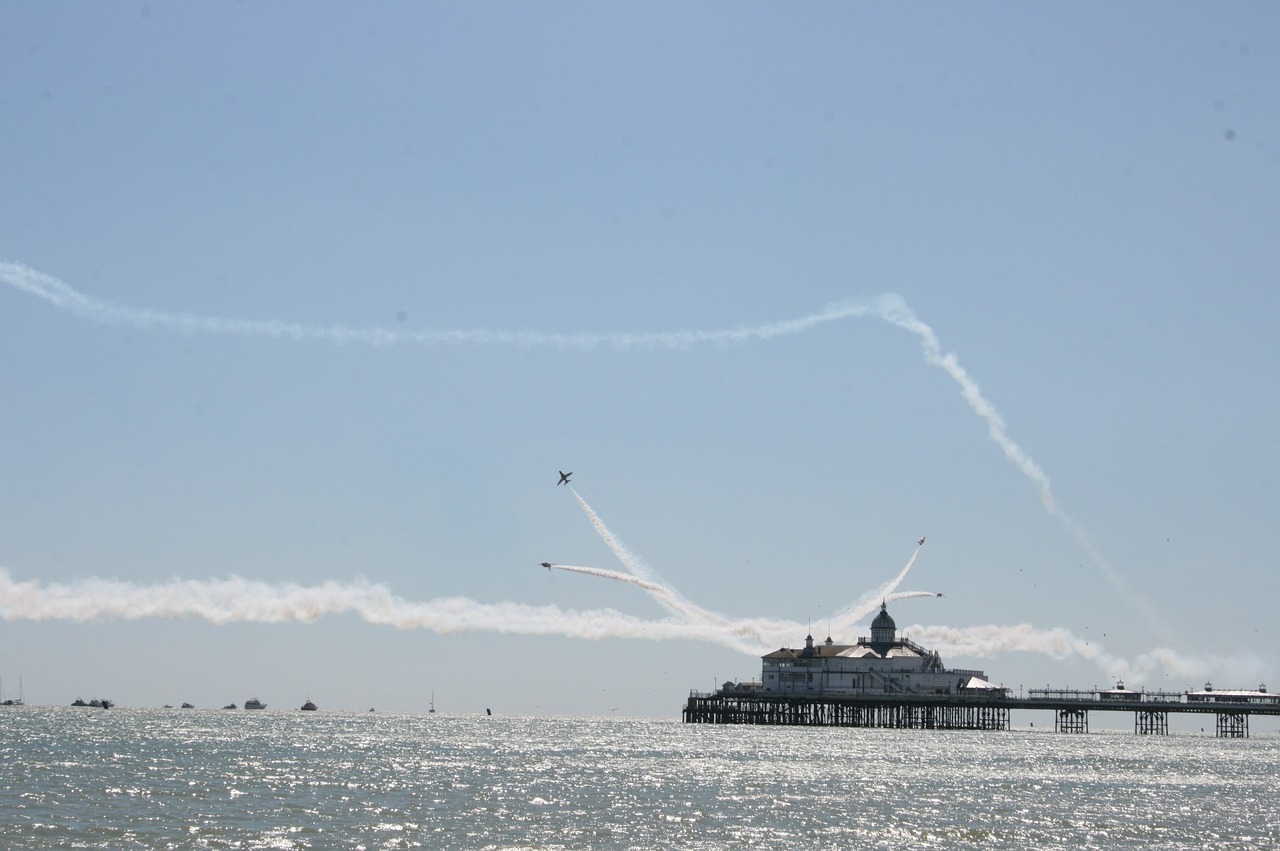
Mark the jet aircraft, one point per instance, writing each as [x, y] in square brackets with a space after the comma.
[564, 477]
[547, 565]
[921, 542]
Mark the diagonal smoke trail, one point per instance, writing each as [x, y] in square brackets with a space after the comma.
[629, 559]
[895, 311]
[744, 635]
[889, 307]
[664, 594]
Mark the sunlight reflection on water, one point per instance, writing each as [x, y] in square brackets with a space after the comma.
[215, 779]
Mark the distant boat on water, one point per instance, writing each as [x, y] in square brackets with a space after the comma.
[96, 703]
[188, 706]
[308, 706]
[12, 701]
[231, 706]
[432, 707]
[254, 703]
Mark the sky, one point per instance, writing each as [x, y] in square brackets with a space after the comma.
[305, 305]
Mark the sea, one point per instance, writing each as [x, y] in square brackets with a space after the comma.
[212, 778]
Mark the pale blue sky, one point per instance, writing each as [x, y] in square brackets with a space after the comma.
[1081, 200]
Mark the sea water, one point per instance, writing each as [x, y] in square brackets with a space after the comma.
[157, 779]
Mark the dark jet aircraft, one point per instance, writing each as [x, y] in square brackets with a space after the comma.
[564, 477]
[921, 542]
[547, 565]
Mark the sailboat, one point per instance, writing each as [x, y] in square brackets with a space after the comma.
[12, 702]
[432, 707]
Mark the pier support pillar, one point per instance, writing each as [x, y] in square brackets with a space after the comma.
[1233, 725]
[1071, 721]
[1147, 722]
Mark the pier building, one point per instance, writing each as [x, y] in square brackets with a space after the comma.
[883, 663]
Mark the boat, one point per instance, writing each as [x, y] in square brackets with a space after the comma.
[188, 706]
[79, 701]
[231, 706]
[432, 707]
[308, 706]
[12, 701]
[254, 703]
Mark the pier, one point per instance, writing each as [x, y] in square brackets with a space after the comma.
[887, 680]
[1071, 709]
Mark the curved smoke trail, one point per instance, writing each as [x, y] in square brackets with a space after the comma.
[889, 307]
[866, 604]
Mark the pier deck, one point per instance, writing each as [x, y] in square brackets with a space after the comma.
[956, 712]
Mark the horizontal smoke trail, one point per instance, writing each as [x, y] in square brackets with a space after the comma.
[64, 297]
[1058, 643]
[756, 635]
[889, 307]
[237, 600]
[910, 595]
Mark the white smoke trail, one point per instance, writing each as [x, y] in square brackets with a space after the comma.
[910, 595]
[64, 297]
[641, 575]
[237, 600]
[889, 307]
[629, 559]
[664, 594]
[1059, 643]
[894, 310]
[866, 604]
